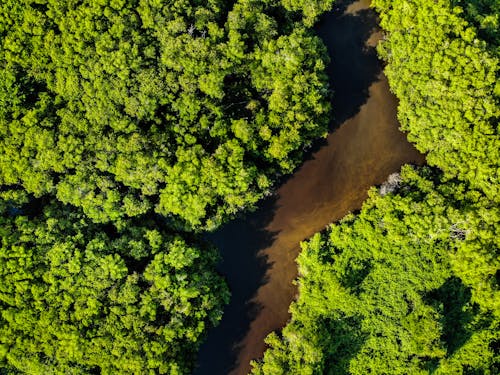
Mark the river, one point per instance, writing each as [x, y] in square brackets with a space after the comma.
[362, 149]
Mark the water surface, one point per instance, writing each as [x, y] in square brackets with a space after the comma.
[363, 148]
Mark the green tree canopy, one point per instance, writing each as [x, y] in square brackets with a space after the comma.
[79, 298]
[186, 108]
[310, 9]
[447, 80]
[485, 15]
[408, 286]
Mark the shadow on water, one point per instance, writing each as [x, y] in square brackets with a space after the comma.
[259, 249]
[354, 66]
[239, 243]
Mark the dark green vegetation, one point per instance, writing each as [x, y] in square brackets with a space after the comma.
[123, 126]
[186, 108]
[76, 297]
[410, 285]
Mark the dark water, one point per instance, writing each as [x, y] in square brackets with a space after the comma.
[364, 147]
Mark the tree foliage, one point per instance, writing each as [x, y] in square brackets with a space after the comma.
[186, 108]
[411, 284]
[447, 80]
[310, 9]
[79, 298]
[485, 15]
[408, 286]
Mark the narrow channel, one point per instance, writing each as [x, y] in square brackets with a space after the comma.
[363, 148]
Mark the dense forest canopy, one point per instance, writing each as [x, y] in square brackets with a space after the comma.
[125, 124]
[79, 298]
[447, 80]
[485, 16]
[410, 285]
[187, 108]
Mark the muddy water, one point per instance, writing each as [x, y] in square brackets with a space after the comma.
[364, 147]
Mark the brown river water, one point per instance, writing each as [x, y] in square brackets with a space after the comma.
[362, 149]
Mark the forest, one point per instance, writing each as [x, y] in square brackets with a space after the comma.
[77, 297]
[129, 128]
[410, 284]
[186, 109]
[407, 286]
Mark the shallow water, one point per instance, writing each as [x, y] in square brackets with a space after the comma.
[363, 148]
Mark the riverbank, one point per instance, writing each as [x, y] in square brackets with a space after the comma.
[364, 147]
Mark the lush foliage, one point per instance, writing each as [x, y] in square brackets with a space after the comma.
[123, 110]
[447, 80]
[79, 298]
[409, 286]
[186, 108]
[485, 15]
[310, 9]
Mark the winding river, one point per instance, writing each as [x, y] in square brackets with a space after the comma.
[362, 149]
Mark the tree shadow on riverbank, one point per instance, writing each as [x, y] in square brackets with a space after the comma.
[240, 243]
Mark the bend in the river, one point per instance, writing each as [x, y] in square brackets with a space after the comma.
[365, 146]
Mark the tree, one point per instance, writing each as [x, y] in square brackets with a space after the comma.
[124, 108]
[395, 290]
[76, 297]
[446, 78]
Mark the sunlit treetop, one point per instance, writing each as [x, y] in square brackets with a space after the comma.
[185, 108]
[80, 298]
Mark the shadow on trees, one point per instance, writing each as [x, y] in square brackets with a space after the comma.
[239, 243]
[452, 301]
[348, 341]
[355, 274]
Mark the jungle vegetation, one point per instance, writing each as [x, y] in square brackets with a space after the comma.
[188, 109]
[446, 77]
[410, 284]
[407, 286]
[127, 127]
[78, 297]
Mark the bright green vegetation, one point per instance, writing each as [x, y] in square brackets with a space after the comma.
[447, 80]
[410, 285]
[184, 108]
[79, 298]
[310, 9]
[125, 124]
[127, 119]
